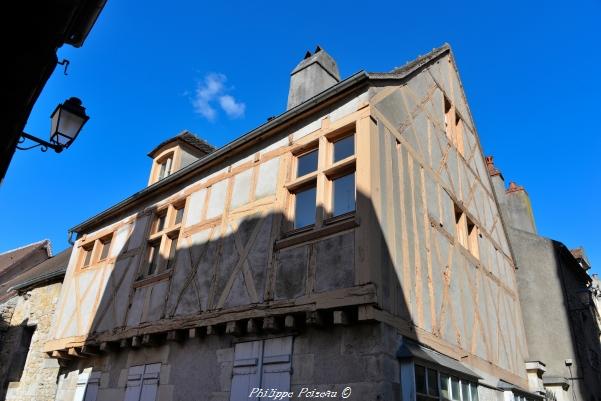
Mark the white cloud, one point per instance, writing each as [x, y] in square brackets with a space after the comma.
[213, 90]
[233, 108]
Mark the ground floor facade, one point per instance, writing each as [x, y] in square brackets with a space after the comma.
[368, 361]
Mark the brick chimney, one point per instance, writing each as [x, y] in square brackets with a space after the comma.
[316, 73]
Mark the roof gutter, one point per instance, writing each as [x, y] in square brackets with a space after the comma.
[343, 86]
[44, 278]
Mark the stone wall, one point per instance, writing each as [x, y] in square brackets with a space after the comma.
[7, 309]
[361, 357]
[39, 376]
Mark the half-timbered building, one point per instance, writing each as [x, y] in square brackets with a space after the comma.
[351, 245]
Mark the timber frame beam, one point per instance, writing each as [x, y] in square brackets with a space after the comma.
[293, 320]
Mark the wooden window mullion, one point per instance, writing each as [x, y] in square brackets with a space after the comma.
[322, 197]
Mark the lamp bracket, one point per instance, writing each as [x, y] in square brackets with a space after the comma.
[64, 62]
[40, 142]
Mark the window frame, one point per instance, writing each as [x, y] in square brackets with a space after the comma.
[163, 237]
[450, 375]
[173, 152]
[163, 161]
[94, 249]
[87, 255]
[322, 178]
[104, 241]
[467, 233]
[454, 125]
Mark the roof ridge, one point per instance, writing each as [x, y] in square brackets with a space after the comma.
[421, 59]
[355, 79]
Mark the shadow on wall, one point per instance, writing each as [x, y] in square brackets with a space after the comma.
[236, 276]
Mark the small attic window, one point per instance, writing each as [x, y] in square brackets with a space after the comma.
[165, 166]
[448, 119]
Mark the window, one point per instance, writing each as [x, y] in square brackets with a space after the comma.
[172, 249]
[153, 257]
[472, 238]
[306, 163]
[517, 397]
[466, 232]
[305, 208]
[433, 385]
[95, 251]
[263, 364]
[342, 179]
[87, 251]
[161, 249]
[343, 194]
[448, 119]
[142, 382]
[453, 126]
[305, 195]
[335, 174]
[179, 214]
[165, 166]
[344, 148]
[105, 245]
[459, 134]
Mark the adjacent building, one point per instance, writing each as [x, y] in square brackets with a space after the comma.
[30, 284]
[353, 243]
[558, 303]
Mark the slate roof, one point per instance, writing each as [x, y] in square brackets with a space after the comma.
[13, 256]
[188, 138]
[338, 90]
[412, 350]
[52, 269]
[580, 256]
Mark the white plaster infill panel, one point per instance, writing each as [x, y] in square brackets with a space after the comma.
[216, 199]
[276, 145]
[307, 129]
[350, 107]
[268, 178]
[119, 240]
[195, 207]
[241, 192]
[344, 110]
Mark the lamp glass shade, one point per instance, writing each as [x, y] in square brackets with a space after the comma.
[67, 120]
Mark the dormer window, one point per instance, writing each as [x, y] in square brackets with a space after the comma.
[175, 154]
[165, 166]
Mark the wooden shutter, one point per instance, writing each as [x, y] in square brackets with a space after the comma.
[247, 370]
[150, 382]
[87, 386]
[134, 383]
[261, 364]
[80, 390]
[277, 364]
[92, 388]
[142, 382]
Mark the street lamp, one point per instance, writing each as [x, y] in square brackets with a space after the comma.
[66, 122]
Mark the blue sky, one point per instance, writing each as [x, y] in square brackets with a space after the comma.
[530, 69]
